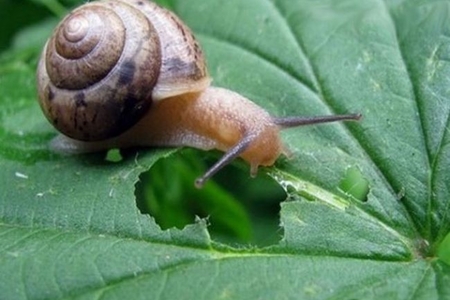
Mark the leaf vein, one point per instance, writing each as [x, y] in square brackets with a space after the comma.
[416, 101]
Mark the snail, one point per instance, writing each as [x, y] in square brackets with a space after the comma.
[124, 73]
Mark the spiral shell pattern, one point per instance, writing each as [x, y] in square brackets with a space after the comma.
[98, 69]
[108, 60]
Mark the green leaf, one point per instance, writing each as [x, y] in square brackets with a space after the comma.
[70, 226]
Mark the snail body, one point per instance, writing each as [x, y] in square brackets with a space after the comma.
[154, 89]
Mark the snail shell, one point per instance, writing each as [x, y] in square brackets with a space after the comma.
[106, 63]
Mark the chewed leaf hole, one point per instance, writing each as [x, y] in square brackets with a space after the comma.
[240, 209]
[113, 156]
[354, 184]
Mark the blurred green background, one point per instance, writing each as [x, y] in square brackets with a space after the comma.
[15, 15]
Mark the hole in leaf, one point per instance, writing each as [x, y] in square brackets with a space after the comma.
[113, 155]
[354, 184]
[240, 209]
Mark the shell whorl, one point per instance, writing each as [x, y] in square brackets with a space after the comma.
[76, 54]
[98, 70]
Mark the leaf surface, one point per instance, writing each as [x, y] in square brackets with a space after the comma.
[70, 227]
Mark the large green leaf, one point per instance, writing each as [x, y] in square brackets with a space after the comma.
[70, 226]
